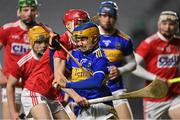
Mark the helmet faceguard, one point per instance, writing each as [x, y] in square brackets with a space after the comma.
[89, 31]
[37, 34]
[75, 17]
[108, 7]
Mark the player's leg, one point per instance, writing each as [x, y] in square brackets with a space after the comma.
[35, 105]
[175, 108]
[57, 109]
[41, 111]
[122, 106]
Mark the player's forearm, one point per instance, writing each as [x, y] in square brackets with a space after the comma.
[144, 74]
[93, 82]
[59, 67]
[141, 71]
[11, 97]
[71, 93]
[129, 66]
[3, 79]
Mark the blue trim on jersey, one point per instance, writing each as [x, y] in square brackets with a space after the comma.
[51, 55]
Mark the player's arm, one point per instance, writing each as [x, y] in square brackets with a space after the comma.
[95, 81]
[141, 71]
[3, 79]
[11, 96]
[130, 65]
[59, 68]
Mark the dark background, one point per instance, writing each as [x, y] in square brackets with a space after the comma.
[138, 18]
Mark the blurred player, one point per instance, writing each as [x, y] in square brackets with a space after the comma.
[118, 48]
[160, 54]
[39, 39]
[13, 37]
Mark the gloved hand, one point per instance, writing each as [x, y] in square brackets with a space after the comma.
[54, 41]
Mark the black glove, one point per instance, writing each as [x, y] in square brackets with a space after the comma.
[55, 43]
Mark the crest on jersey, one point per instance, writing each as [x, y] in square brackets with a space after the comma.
[117, 45]
[106, 42]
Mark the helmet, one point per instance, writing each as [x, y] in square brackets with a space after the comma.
[74, 17]
[87, 30]
[169, 16]
[37, 33]
[108, 7]
[24, 3]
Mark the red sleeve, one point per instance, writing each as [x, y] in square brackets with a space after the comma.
[16, 71]
[64, 39]
[3, 36]
[143, 49]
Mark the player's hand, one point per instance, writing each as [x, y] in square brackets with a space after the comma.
[60, 83]
[82, 101]
[114, 72]
[54, 41]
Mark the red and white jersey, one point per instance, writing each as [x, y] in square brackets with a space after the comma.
[161, 57]
[14, 39]
[67, 43]
[25, 66]
[41, 78]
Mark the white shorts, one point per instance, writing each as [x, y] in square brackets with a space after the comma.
[30, 99]
[98, 111]
[120, 101]
[154, 110]
[18, 92]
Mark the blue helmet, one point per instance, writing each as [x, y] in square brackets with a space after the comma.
[108, 7]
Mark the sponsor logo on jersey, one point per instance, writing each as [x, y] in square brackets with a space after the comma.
[168, 60]
[106, 42]
[18, 48]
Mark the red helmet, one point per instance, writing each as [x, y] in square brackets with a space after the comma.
[75, 17]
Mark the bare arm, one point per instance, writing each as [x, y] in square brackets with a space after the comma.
[141, 71]
[11, 96]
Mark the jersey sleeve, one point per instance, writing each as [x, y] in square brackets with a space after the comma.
[128, 48]
[3, 36]
[16, 71]
[143, 49]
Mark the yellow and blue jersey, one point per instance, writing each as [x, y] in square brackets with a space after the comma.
[95, 85]
[116, 47]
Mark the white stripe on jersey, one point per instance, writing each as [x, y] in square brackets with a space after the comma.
[24, 59]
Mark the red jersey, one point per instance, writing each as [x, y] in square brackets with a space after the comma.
[41, 79]
[161, 57]
[14, 39]
[25, 66]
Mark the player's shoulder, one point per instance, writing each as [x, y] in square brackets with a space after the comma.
[11, 25]
[98, 53]
[26, 57]
[151, 38]
[123, 35]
